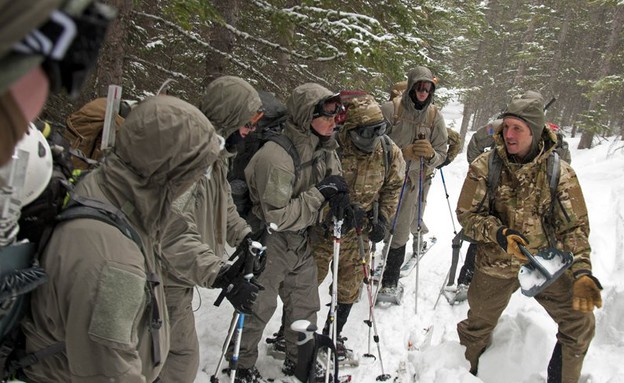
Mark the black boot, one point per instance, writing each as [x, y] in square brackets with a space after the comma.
[554, 366]
[392, 272]
[342, 313]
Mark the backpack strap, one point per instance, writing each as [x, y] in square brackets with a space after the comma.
[495, 165]
[553, 172]
[387, 151]
[290, 148]
[82, 207]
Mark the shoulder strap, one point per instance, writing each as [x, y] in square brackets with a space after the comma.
[398, 109]
[82, 207]
[290, 148]
[387, 151]
[553, 172]
[495, 165]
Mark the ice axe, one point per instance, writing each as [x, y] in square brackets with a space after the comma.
[543, 269]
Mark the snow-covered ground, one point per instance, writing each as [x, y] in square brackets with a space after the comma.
[423, 346]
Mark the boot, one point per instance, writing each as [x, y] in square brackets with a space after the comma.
[342, 314]
[392, 272]
[554, 366]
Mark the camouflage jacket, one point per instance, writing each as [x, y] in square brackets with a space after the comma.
[522, 199]
[365, 174]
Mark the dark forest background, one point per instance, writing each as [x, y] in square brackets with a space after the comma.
[483, 52]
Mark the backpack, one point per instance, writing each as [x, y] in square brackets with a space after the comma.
[454, 147]
[269, 128]
[84, 132]
[20, 272]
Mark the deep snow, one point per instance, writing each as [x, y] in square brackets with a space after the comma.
[424, 347]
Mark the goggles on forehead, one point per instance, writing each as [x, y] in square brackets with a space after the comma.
[329, 107]
[69, 45]
[371, 131]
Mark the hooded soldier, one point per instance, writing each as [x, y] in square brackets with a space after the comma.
[290, 198]
[203, 222]
[104, 303]
[373, 168]
[520, 212]
[418, 128]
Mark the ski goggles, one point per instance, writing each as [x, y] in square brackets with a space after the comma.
[423, 87]
[371, 131]
[328, 107]
[69, 45]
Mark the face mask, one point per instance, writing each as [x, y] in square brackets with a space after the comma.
[367, 145]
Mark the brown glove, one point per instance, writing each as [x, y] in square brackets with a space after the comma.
[586, 294]
[420, 148]
[509, 239]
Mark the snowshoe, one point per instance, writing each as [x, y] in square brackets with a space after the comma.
[248, 375]
[543, 269]
[277, 345]
[455, 294]
[392, 295]
[346, 356]
[288, 369]
[410, 264]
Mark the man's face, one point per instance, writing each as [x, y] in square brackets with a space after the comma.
[251, 125]
[422, 89]
[324, 125]
[517, 136]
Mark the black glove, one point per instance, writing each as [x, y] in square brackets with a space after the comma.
[237, 261]
[353, 217]
[379, 229]
[242, 294]
[332, 185]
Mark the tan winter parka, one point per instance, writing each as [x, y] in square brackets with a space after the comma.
[406, 122]
[293, 203]
[98, 299]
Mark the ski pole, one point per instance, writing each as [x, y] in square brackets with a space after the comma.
[371, 322]
[214, 378]
[448, 202]
[419, 229]
[338, 220]
[394, 221]
[255, 249]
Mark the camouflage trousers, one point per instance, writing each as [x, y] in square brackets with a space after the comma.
[488, 296]
[350, 270]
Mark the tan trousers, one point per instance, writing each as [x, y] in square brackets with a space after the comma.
[183, 359]
[290, 273]
[488, 296]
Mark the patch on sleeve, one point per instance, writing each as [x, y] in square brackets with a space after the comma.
[279, 188]
[119, 300]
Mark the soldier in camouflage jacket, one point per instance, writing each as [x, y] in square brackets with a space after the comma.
[521, 199]
[364, 166]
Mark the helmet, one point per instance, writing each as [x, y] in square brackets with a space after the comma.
[30, 169]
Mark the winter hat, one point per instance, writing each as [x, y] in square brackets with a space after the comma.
[363, 111]
[529, 107]
[364, 123]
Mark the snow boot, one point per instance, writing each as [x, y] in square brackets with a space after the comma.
[392, 272]
[277, 344]
[248, 375]
[391, 294]
[288, 369]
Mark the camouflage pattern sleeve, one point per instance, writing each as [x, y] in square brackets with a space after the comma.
[391, 188]
[571, 219]
[473, 204]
